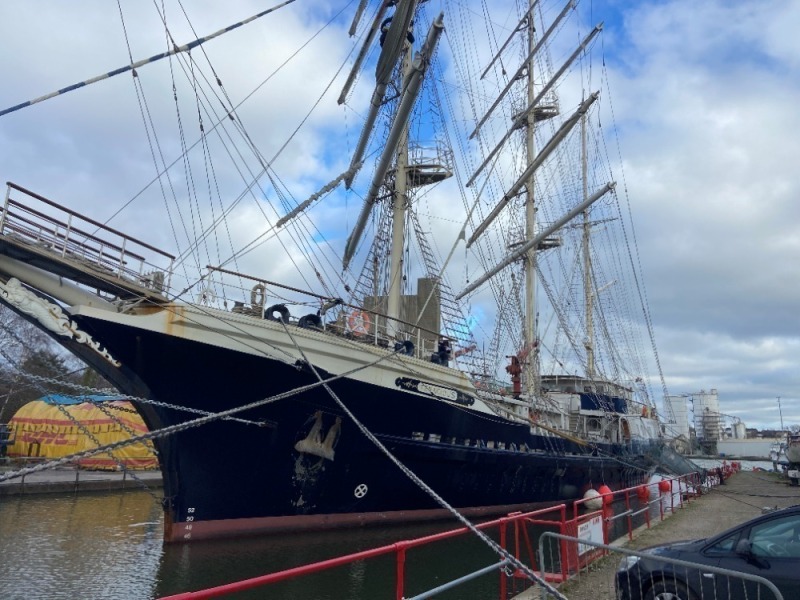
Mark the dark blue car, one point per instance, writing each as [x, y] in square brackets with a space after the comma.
[767, 546]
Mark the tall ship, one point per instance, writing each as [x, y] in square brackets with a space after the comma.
[423, 297]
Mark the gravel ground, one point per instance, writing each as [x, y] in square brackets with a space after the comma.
[743, 497]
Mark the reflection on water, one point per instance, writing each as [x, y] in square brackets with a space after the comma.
[88, 546]
[205, 564]
[109, 546]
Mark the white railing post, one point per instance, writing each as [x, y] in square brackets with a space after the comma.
[122, 257]
[67, 229]
[5, 209]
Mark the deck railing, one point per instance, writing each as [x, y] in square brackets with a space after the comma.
[36, 220]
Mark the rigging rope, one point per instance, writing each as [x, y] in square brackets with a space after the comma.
[172, 429]
[424, 486]
[309, 251]
[640, 287]
[82, 426]
[150, 131]
[134, 65]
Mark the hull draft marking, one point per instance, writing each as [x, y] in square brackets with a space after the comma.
[49, 315]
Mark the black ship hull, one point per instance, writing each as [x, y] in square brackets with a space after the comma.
[302, 463]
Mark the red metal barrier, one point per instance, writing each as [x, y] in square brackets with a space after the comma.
[571, 558]
[399, 548]
[667, 490]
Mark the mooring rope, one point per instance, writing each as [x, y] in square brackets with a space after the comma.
[88, 433]
[166, 431]
[424, 486]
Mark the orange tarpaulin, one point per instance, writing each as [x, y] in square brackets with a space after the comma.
[54, 431]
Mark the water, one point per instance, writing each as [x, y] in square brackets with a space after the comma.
[88, 546]
[747, 465]
[109, 546]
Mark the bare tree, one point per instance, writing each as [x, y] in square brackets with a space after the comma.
[25, 350]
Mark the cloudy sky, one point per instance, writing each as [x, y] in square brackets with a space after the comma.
[705, 95]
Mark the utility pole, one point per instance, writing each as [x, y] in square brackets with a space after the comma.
[780, 412]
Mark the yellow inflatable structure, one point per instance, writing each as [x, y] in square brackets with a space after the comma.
[53, 428]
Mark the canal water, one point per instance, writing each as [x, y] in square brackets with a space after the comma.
[109, 546]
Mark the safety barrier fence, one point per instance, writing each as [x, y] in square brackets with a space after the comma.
[614, 514]
[584, 530]
[645, 575]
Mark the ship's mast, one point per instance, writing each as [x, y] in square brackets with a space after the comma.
[398, 220]
[529, 336]
[587, 261]
[536, 240]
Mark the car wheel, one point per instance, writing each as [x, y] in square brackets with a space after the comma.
[669, 590]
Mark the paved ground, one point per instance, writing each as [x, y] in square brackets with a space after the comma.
[743, 497]
[68, 479]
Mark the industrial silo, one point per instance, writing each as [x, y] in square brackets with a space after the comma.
[677, 417]
[707, 419]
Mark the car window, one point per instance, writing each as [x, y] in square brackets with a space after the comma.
[779, 538]
[723, 546]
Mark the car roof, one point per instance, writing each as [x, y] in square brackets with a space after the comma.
[767, 516]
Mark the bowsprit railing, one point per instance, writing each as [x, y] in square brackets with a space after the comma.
[582, 536]
[82, 244]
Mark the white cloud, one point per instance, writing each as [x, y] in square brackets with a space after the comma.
[705, 96]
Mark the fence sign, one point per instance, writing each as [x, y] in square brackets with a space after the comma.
[591, 530]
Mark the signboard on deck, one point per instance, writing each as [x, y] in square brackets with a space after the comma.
[591, 530]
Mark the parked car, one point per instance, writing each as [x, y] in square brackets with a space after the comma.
[767, 546]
